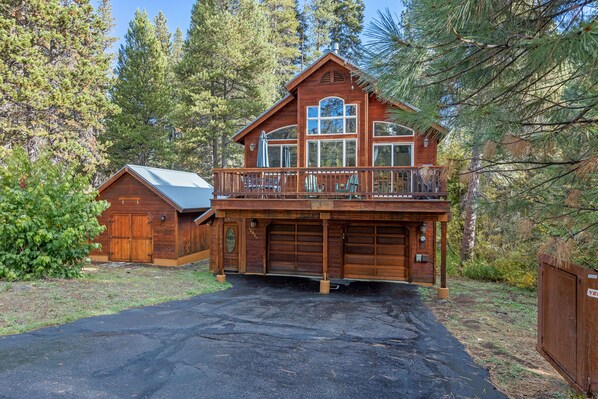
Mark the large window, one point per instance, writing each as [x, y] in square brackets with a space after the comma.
[331, 153]
[387, 129]
[332, 116]
[393, 154]
[279, 157]
[284, 133]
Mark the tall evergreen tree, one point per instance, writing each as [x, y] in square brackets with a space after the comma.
[176, 53]
[523, 77]
[54, 78]
[335, 21]
[302, 36]
[282, 16]
[226, 78]
[348, 26]
[162, 33]
[139, 133]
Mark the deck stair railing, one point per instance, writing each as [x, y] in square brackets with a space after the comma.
[366, 183]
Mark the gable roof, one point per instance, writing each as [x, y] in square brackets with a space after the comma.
[185, 191]
[290, 86]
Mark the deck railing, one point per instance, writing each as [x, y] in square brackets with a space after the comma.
[425, 183]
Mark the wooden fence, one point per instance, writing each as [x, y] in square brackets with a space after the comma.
[568, 321]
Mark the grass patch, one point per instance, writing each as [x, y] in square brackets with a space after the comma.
[497, 324]
[103, 289]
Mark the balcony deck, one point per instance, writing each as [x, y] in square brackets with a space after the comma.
[377, 189]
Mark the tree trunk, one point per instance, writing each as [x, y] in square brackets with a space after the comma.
[470, 205]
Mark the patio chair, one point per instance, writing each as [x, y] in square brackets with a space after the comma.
[311, 186]
[350, 187]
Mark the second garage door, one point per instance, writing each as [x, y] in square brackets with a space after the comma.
[376, 252]
[295, 248]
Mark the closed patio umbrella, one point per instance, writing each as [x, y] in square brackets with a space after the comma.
[286, 157]
[262, 151]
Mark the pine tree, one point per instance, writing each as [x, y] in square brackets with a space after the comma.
[162, 33]
[302, 32]
[335, 21]
[522, 76]
[139, 133]
[225, 77]
[54, 78]
[348, 27]
[282, 16]
[176, 53]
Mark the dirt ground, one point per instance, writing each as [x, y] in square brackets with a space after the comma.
[105, 288]
[497, 325]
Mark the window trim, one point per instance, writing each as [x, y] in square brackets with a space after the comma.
[392, 155]
[391, 123]
[319, 118]
[283, 127]
[344, 141]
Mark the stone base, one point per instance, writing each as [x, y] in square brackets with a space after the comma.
[324, 286]
[443, 293]
[221, 278]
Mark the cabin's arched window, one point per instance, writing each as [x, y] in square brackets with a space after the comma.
[387, 129]
[283, 133]
[332, 116]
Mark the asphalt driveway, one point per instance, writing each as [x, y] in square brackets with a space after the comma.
[263, 338]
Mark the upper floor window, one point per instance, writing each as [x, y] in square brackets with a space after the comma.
[284, 133]
[331, 153]
[387, 129]
[332, 116]
[393, 154]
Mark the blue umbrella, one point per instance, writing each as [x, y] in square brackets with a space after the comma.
[262, 151]
[286, 157]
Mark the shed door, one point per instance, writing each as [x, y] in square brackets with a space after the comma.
[376, 252]
[295, 248]
[131, 238]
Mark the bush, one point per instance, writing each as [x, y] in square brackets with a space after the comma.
[48, 218]
[479, 269]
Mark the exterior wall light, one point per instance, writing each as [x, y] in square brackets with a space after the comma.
[426, 142]
[422, 230]
[252, 147]
[253, 223]
[163, 217]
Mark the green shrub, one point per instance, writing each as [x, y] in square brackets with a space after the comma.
[479, 269]
[48, 217]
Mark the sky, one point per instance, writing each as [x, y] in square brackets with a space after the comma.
[178, 13]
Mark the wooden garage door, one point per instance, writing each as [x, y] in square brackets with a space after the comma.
[295, 248]
[131, 238]
[376, 252]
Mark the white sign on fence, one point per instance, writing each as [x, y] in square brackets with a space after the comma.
[592, 293]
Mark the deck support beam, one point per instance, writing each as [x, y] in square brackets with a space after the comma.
[221, 277]
[443, 291]
[325, 283]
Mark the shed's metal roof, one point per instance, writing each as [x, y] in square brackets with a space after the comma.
[187, 190]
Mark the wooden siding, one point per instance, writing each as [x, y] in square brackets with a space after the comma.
[191, 237]
[128, 196]
[177, 236]
[286, 116]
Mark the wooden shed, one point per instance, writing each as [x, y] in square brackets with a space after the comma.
[151, 214]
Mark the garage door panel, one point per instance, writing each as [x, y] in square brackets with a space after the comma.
[296, 251]
[359, 249]
[381, 255]
[390, 261]
[396, 250]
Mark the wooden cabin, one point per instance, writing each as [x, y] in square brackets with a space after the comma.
[151, 214]
[347, 194]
